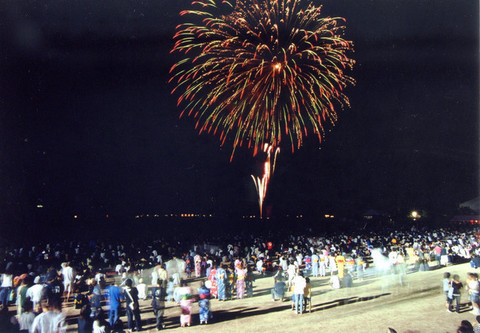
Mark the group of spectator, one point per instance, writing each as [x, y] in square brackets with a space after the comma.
[37, 278]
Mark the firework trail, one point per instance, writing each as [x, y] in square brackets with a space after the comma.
[261, 184]
[260, 72]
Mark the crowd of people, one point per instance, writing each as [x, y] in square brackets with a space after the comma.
[103, 280]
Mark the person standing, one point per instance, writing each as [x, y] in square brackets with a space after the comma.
[447, 285]
[220, 278]
[22, 292]
[340, 261]
[95, 296]
[198, 265]
[158, 304]
[85, 322]
[278, 290]
[315, 264]
[291, 274]
[35, 294]
[132, 308]
[184, 299]
[456, 287]
[52, 319]
[26, 318]
[241, 276]
[6, 286]
[307, 295]
[323, 262]
[213, 282]
[204, 304]
[68, 277]
[473, 288]
[54, 286]
[115, 297]
[299, 284]
[249, 279]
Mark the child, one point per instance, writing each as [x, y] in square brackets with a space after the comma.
[334, 280]
[446, 287]
[184, 299]
[307, 294]
[79, 300]
[170, 288]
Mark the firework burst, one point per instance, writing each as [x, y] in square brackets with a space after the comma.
[261, 72]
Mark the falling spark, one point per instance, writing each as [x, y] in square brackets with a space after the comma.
[261, 184]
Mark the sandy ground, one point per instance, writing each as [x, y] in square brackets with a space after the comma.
[371, 305]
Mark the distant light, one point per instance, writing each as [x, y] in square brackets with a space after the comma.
[106, 216]
[327, 216]
[415, 214]
[39, 206]
[75, 216]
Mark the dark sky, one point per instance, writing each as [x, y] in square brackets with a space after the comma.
[88, 125]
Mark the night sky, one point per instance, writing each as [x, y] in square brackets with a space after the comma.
[88, 126]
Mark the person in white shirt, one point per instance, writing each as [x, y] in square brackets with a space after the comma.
[142, 289]
[68, 278]
[6, 287]
[291, 274]
[299, 284]
[35, 293]
[52, 319]
[315, 264]
[473, 288]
